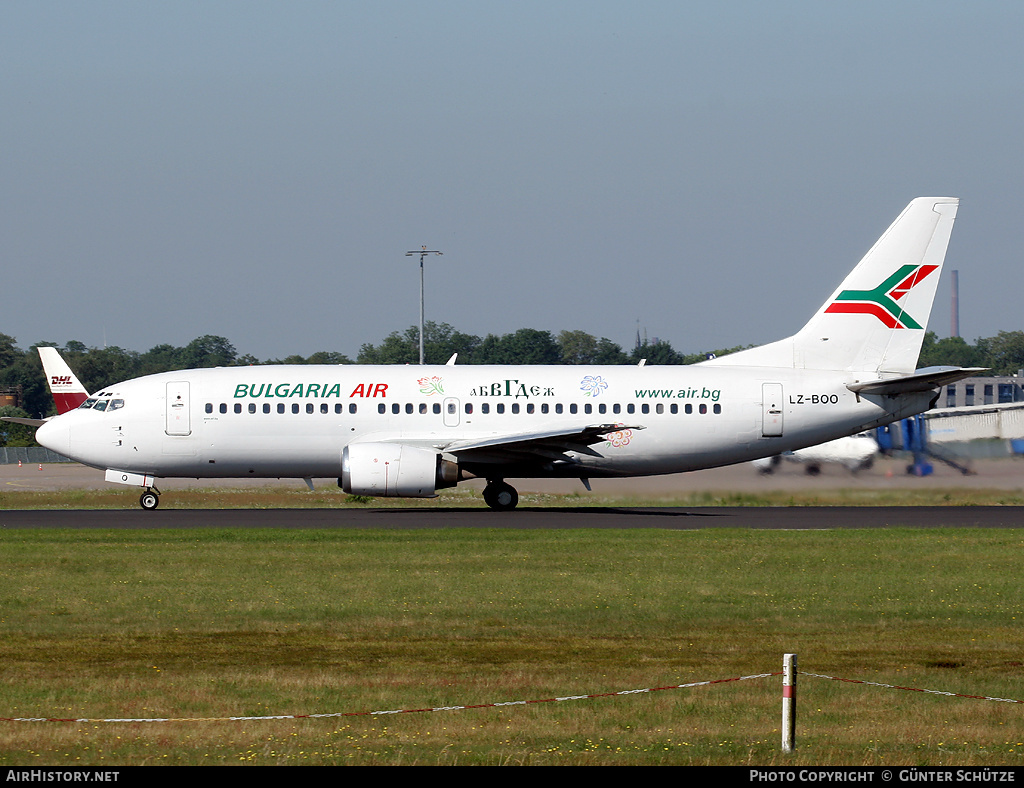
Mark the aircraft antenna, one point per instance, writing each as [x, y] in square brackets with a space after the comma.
[422, 253]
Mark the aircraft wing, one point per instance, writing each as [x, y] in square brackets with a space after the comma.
[922, 380]
[536, 446]
[21, 420]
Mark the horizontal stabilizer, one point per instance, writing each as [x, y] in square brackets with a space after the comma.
[922, 380]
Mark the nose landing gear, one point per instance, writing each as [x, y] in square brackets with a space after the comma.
[150, 499]
[500, 496]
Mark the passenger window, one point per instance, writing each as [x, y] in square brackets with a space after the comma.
[338, 408]
[602, 408]
[266, 407]
[423, 408]
[252, 407]
[673, 408]
[631, 408]
[238, 407]
[396, 408]
[209, 407]
[352, 407]
[295, 407]
[223, 407]
[529, 407]
[408, 407]
[382, 408]
[573, 408]
[616, 408]
[325, 408]
[500, 407]
[718, 408]
[544, 407]
[309, 407]
[558, 407]
[515, 407]
[688, 408]
[588, 408]
[485, 408]
[659, 408]
[645, 408]
[280, 407]
[703, 408]
[469, 408]
[436, 408]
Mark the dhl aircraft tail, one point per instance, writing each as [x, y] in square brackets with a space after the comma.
[67, 392]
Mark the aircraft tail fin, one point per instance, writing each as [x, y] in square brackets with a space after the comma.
[67, 392]
[875, 320]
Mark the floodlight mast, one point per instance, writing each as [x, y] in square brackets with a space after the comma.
[422, 253]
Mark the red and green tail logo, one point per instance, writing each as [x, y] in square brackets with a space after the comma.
[881, 302]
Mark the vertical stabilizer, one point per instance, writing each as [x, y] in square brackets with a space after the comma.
[67, 392]
[875, 320]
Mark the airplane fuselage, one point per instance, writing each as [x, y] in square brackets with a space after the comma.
[296, 421]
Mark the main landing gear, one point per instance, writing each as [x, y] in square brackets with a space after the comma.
[150, 499]
[500, 496]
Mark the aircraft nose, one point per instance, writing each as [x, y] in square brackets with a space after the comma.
[55, 436]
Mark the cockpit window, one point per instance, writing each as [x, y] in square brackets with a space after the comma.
[101, 404]
[88, 403]
[116, 404]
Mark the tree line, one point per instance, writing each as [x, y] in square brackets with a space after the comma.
[20, 369]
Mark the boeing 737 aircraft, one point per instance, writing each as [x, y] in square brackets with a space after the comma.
[412, 430]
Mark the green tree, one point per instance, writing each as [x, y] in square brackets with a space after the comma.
[16, 434]
[208, 351]
[440, 342]
[1004, 353]
[949, 352]
[657, 352]
[525, 346]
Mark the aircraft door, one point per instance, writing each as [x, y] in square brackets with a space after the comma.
[450, 408]
[771, 410]
[178, 409]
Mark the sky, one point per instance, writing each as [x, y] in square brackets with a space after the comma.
[705, 172]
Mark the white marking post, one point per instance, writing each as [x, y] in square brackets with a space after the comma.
[788, 702]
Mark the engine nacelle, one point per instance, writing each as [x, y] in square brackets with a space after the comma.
[395, 470]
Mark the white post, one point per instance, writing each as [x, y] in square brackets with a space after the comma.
[788, 702]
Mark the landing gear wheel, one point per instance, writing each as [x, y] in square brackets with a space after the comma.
[149, 500]
[500, 496]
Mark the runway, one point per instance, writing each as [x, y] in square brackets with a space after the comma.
[1006, 474]
[802, 518]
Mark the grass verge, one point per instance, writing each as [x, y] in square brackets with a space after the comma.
[216, 623]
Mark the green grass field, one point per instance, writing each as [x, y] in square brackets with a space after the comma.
[202, 625]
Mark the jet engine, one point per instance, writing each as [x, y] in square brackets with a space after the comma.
[394, 469]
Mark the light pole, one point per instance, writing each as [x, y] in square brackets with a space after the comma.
[422, 253]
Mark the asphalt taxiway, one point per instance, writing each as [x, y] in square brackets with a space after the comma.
[1003, 474]
[671, 518]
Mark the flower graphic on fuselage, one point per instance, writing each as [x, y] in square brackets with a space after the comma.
[620, 438]
[431, 386]
[592, 385]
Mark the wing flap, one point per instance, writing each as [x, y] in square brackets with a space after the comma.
[537, 446]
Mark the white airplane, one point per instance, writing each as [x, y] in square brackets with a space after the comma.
[853, 452]
[412, 430]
